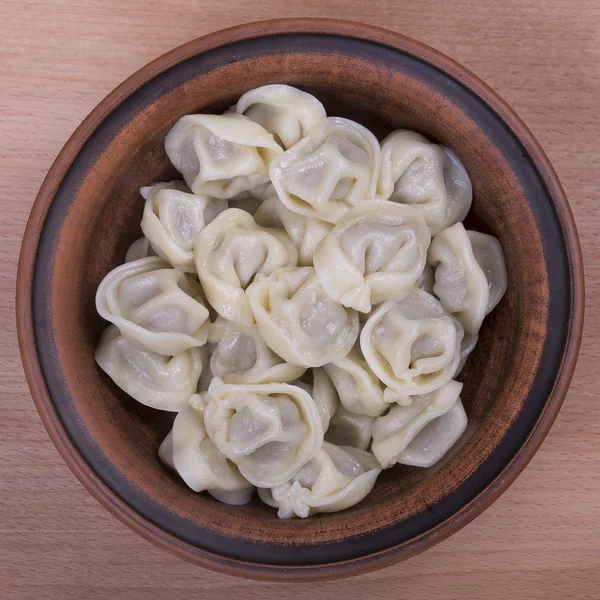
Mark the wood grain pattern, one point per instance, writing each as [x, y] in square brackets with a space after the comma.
[57, 60]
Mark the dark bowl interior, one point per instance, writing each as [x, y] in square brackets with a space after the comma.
[514, 380]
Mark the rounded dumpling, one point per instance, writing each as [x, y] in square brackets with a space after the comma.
[377, 252]
[221, 155]
[230, 252]
[241, 356]
[268, 430]
[173, 217]
[141, 248]
[190, 452]
[334, 168]
[413, 345]
[470, 274]
[284, 111]
[335, 479]
[319, 385]
[305, 232]
[155, 305]
[349, 429]
[420, 434]
[158, 381]
[298, 320]
[425, 175]
[359, 390]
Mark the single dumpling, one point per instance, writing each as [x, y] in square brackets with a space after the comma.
[377, 252]
[268, 430]
[470, 274]
[284, 111]
[420, 434]
[319, 385]
[221, 155]
[189, 451]
[299, 321]
[334, 168]
[349, 429]
[241, 356]
[230, 252]
[158, 381]
[173, 217]
[425, 175]
[412, 345]
[305, 232]
[155, 305]
[337, 478]
[358, 389]
[141, 248]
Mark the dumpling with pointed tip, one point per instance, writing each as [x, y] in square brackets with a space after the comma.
[284, 111]
[221, 155]
[230, 252]
[412, 345]
[298, 320]
[268, 430]
[155, 380]
[331, 170]
[190, 452]
[173, 217]
[155, 305]
[420, 434]
[470, 274]
[425, 175]
[336, 478]
[377, 252]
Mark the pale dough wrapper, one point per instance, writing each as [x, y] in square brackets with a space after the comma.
[230, 252]
[221, 155]
[240, 355]
[377, 252]
[268, 430]
[173, 217]
[425, 175]
[332, 169]
[158, 381]
[155, 305]
[335, 479]
[349, 429]
[412, 345]
[420, 434]
[298, 320]
[284, 111]
[322, 391]
[189, 451]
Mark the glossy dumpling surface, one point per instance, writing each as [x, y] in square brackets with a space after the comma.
[319, 385]
[349, 429]
[335, 479]
[268, 430]
[334, 168]
[221, 155]
[395, 433]
[189, 451]
[299, 321]
[230, 252]
[377, 252]
[412, 345]
[425, 175]
[284, 111]
[173, 217]
[158, 381]
[155, 305]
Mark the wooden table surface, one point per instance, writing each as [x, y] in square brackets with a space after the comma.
[59, 58]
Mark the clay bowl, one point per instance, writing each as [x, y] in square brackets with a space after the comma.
[88, 212]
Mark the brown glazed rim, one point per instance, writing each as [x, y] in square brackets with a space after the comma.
[37, 383]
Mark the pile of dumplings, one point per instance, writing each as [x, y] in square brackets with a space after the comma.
[303, 301]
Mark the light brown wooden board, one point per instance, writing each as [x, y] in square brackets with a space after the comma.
[59, 58]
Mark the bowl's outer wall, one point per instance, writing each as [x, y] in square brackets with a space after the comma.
[90, 210]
